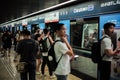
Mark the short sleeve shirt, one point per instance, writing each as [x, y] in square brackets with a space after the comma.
[27, 48]
[63, 67]
[106, 44]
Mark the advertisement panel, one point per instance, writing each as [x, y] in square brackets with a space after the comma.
[52, 17]
[41, 26]
[29, 28]
[115, 18]
[67, 25]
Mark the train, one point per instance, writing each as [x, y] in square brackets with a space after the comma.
[84, 22]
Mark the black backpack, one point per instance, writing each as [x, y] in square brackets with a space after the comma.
[52, 57]
[96, 51]
[43, 45]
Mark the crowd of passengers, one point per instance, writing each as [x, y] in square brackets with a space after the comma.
[27, 45]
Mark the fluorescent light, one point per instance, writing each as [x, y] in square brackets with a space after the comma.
[55, 6]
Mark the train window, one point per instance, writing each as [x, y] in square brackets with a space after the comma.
[84, 33]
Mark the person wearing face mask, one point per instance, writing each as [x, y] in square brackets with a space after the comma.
[107, 52]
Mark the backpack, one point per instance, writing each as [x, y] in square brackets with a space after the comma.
[52, 57]
[43, 45]
[96, 51]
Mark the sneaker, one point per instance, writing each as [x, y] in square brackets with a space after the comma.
[43, 75]
[53, 76]
[37, 73]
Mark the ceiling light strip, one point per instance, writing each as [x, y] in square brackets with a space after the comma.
[52, 7]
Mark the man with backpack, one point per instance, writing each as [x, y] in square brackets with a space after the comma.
[107, 52]
[45, 43]
[62, 49]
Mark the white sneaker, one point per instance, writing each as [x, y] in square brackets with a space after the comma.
[53, 76]
[43, 75]
[37, 73]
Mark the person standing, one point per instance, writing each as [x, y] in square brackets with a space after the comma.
[16, 40]
[28, 48]
[107, 52]
[39, 56]
[48, 41]
[7, 42]
[62, 48]
[1, 33]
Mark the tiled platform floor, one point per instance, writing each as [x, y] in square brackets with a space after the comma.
[12, 70]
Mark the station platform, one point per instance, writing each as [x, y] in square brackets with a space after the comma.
[8, 70]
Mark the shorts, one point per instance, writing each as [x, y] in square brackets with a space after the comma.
[39, 56]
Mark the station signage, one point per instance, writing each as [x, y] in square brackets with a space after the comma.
[109, 5]
[64, 14]
[52, 17]
[17, 24]
[41, 18]
[85, 9]
[33, 20]
[24, 22]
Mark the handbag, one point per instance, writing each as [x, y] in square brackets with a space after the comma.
[116, 67]
[22, 67]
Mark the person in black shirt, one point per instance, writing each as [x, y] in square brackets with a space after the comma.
[28, 48]
[7, 42]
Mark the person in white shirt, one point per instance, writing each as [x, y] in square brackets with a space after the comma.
[106, 52]
[62, 48]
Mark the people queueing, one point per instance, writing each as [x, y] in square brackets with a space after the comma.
[39, 57]
[7, 43]
[46, 36]
[62, 48]
[28, 48]
[107, 52]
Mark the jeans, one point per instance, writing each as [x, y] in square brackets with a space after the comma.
[61, 77]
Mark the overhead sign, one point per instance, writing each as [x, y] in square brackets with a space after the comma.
[109, 5]
[64, 14]
[24, 22]
[52, 17]
[85, 9]
[41, 18]
[34, 20]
